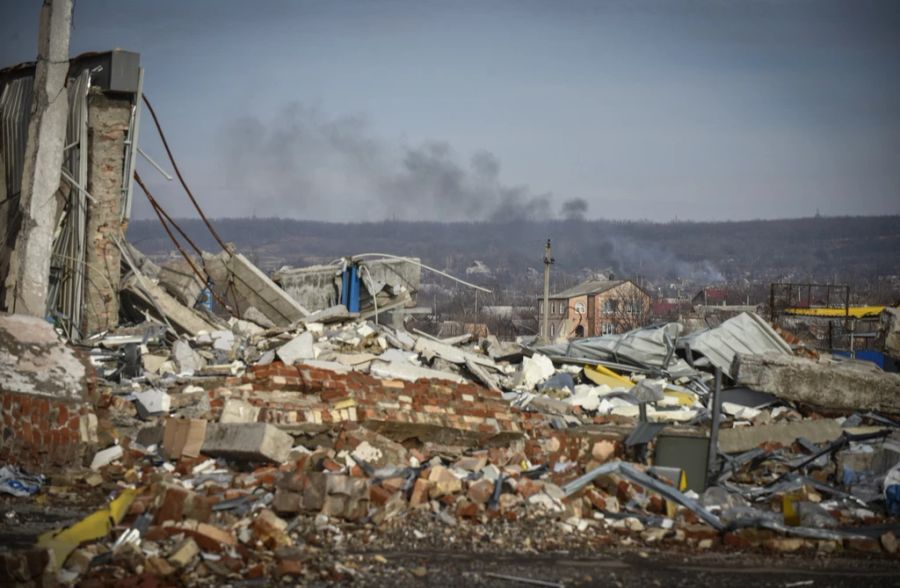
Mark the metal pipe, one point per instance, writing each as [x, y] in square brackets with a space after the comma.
[422, 265]
[716, 409]
[158, 167]
[134, 130]
[545, 322]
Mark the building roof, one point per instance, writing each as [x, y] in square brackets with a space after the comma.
[714, 293]
[589, 287]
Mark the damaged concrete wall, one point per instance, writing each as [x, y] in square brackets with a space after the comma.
[318, 287]
[46, 416]
[108, 120]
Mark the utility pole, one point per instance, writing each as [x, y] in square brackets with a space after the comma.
[545, 322]
[29, 273]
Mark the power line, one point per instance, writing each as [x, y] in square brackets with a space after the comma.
[190, 194]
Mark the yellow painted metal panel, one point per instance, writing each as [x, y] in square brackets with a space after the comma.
[601, 375]
[94, 526]
[854, 311]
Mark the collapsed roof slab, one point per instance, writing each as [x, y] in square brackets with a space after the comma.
[845, 385]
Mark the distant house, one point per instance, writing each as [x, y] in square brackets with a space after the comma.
[718, 296]
[596, 307]
[669, 308]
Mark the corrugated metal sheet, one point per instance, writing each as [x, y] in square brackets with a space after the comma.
[15, 109]
[645, 347]
[745, 333]
[69, 249]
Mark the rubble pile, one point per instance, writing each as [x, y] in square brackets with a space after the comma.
[266, 451]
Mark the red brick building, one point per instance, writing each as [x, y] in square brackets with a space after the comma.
[597, 307]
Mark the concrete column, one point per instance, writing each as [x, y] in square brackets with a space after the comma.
[108, 117]
[29, 274]
[545, 319]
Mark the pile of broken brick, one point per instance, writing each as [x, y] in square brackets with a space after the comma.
[256, 451]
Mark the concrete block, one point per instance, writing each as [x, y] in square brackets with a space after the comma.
[183, 437]
[106, 456]
[314, 491]
[222, 340]
[247, 442]
[239, 411]
[287, 503]
[184, 553]
[534, 370]
[153, 402]
[430, 348]
[153, 299]
[346, 497]
[186, 359]
[299, 348]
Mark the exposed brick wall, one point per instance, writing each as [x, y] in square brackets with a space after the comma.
[108, 118]
[37, 431]
[302, 394]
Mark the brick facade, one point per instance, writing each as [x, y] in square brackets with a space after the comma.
[37, 431]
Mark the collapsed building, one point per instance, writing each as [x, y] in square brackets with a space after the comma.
[93, 204]
[257, 442]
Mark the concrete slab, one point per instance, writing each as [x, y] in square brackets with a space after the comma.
[152, 298]
[430, 348]
[297, 349]
[178, 279]
[187, 361]
[240, 282]
[153, 401]
[247, 442]
[406, 371]
[745, 438]
[238, 411]
[848, 385]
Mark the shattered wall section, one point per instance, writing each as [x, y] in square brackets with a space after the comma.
[319, 287]
[46, 417]
[439, 410]
[316, 287]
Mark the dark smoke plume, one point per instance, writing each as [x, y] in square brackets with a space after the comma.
[308, 165]
[574, 209]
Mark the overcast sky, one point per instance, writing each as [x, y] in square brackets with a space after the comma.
[339, 110]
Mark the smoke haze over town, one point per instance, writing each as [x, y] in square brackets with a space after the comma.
[357, 111]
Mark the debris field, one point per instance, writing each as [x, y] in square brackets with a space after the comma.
[313, 452]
